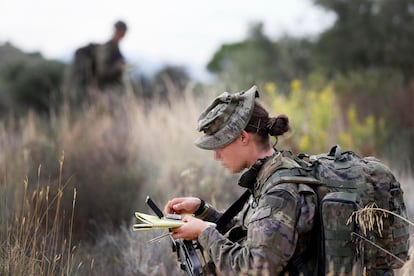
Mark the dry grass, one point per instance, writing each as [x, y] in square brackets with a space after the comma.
[117, 150]
[114, 148]
[33, 239]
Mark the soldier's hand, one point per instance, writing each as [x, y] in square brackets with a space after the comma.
[191, 229]
[182, 205]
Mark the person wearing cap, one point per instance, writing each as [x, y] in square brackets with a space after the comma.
[272, 234]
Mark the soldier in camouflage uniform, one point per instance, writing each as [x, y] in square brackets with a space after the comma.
[273, 234]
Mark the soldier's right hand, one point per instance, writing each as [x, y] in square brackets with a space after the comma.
[182, 205]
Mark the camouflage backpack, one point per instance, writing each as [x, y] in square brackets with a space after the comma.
[371, 241]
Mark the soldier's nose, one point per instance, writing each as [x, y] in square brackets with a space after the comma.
[216, 155]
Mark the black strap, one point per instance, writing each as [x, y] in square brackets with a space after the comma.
[235, 208]
[247, 180]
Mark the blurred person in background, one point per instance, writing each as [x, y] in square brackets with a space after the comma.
[98, 66]
[272, 234]
[110, 62]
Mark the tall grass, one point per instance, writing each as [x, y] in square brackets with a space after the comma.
[117, 149]
[33, 241]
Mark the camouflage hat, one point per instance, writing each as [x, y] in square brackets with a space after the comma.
[225, 118]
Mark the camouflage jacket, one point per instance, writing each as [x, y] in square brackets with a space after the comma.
[273, 227]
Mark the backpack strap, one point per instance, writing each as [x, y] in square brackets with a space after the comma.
[298, 175]
[295, 175]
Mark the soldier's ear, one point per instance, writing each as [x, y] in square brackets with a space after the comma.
[244, 137]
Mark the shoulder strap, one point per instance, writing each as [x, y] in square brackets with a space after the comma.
[232, 211]
[247, 180]
[293, 175]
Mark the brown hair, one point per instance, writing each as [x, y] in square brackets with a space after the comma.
[261, 124]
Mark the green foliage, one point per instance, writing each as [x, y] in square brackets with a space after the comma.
[258, 59]
[360, 132]
[368, 51]
[247, 62]
[294, 59]
[366, 55]
[367, 82]
[382, 94]
[371, 91]
[34, 83]
[317, 121]
[170, 81]
[368, 34]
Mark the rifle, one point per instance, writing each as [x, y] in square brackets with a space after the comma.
[187, 256]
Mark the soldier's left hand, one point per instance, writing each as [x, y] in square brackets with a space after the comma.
[191, 229]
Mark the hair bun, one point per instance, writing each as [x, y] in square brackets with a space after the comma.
[279, 125]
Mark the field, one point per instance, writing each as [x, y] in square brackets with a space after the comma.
[71, 182]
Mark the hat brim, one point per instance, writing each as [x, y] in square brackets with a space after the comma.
[234, 126]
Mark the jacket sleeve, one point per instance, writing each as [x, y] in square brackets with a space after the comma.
[272, 235]
[212, 214]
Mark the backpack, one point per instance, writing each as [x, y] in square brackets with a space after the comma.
[355, 238]
[84, 64]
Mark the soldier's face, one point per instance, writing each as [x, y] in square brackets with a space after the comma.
[231, 156]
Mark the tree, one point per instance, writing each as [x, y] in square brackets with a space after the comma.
[170, 81]
[28, 80]
[369, 34]
[246, 62]
[369, 51]
[34, 83]
[259, 59]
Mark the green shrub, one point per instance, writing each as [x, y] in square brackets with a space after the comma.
[34, 83]
[318, 122]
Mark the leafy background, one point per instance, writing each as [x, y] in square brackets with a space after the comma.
[73, 173]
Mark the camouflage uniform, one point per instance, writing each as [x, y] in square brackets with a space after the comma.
[278, 230]
[273, 228]
[275, 224]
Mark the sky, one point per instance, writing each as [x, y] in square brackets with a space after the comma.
[180, 32]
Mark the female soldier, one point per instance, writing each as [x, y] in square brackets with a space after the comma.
[271, 234]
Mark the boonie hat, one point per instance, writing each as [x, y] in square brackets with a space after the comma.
[225, 118]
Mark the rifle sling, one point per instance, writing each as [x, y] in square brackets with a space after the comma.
[247, 180]
[235, 208]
